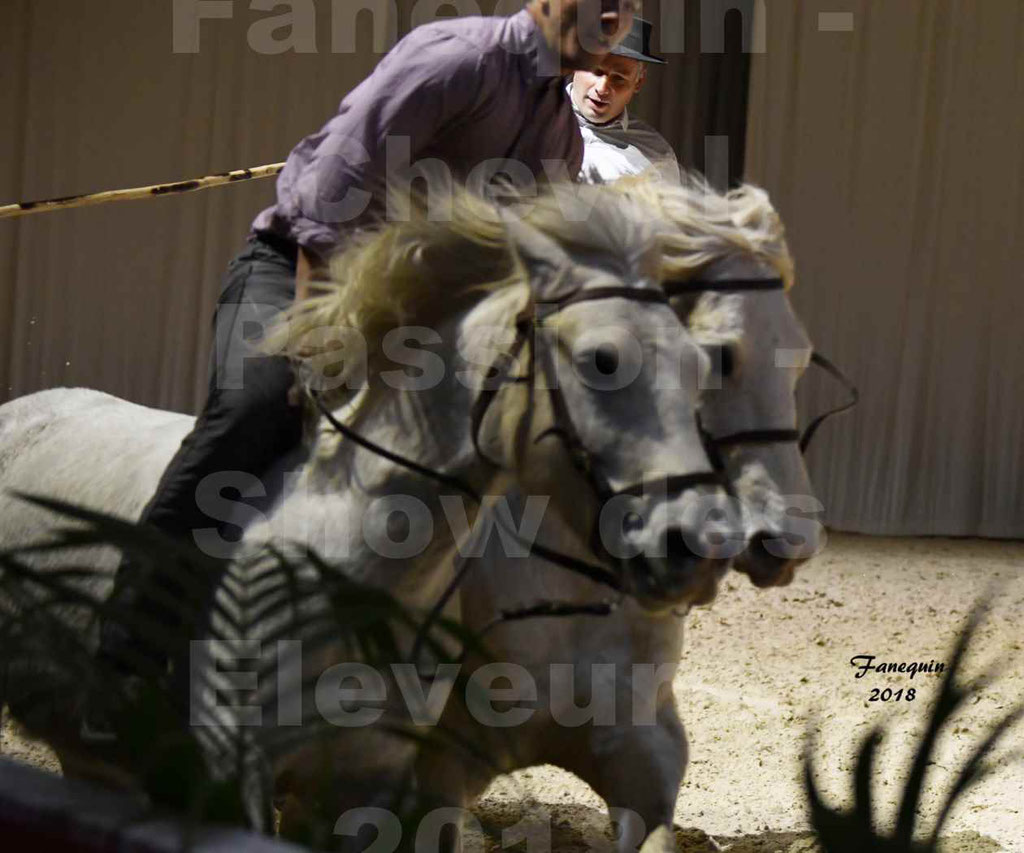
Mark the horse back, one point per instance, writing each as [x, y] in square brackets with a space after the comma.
[83, 447]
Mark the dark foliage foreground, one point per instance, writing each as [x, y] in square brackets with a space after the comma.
[854, 831]
[218, 771]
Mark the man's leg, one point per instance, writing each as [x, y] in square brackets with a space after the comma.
[245, 426]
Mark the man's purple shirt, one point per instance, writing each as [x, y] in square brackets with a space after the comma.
[463, 91]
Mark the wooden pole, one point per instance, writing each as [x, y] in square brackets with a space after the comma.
[28, 207]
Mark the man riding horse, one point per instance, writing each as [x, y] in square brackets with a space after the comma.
[460, 92]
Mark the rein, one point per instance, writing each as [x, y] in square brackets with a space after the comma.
[596, 573]
[583, 460]
[527, 322]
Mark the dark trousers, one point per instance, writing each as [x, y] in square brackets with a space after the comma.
[247, 422]
[246, 425]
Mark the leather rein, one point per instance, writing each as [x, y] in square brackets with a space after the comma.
[586, 463]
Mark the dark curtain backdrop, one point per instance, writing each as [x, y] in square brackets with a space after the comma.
[699, 101]
[95, 97]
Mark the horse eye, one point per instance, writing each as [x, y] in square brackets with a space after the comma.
[632, 523]
[606, 360]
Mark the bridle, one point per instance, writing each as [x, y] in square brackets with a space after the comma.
[588, 464]
[528, 322]
[763, 436]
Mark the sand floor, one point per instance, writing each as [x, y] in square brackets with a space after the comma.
[758, 664]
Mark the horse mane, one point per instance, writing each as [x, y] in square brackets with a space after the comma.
[704, 225]
[401, 274]
[417, 271]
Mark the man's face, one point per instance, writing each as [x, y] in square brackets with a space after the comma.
[604, 93]
[583, 31]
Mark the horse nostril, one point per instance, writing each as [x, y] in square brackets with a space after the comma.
[765, 562]
[757, 543]
[682, 572]
[765, 547]
[780, 546]
[677, 544]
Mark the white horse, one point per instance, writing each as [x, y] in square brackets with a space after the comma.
[604, 705]
[345, 501]
[735, 301]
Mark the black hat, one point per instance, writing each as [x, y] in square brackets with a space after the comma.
[637, 45]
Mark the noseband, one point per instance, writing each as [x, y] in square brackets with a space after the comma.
[587, 463]
[764, 436]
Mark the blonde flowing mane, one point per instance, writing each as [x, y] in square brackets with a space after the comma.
[420, 271]
[705, 226]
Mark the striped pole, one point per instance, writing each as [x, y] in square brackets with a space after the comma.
[25, 208]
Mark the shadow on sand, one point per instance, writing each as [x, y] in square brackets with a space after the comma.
[582, 829]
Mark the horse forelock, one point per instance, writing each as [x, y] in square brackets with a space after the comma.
[613, 231]
[699, 225]
[717, 318]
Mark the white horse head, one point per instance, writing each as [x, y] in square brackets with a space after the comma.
[759, 351]
[602, 420]
[621, 359]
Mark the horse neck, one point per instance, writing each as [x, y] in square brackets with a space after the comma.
[344, 490]
[505, 579]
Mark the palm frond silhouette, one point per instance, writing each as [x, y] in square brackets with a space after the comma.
[187, 748]
[855, 831]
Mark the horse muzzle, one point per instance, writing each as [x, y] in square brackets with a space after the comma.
[772, 558]
[685, 570]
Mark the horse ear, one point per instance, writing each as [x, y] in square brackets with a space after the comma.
[546, 262]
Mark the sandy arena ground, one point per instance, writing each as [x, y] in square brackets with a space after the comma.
[758, 664]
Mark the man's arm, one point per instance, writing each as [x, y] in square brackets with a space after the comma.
[428, 80]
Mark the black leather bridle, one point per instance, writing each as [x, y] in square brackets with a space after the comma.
[587, 463]
[528, 322]
[768, 435]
